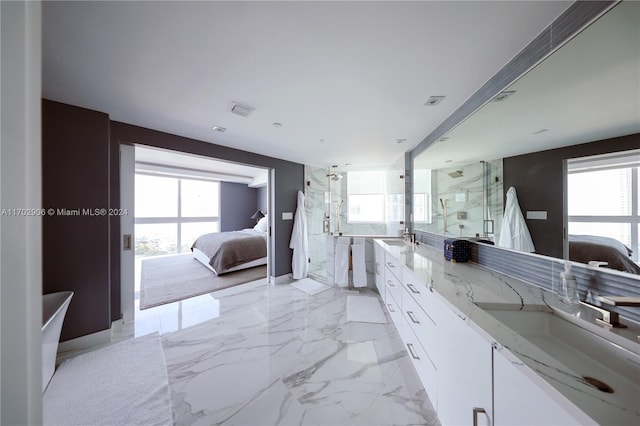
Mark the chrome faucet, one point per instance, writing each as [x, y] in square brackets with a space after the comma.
[612, 319]
[409, 236]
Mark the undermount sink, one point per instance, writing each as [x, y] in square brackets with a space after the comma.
[592, 359]
[392, 242]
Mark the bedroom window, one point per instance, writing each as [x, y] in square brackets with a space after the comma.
[603, 193]
[172, 212]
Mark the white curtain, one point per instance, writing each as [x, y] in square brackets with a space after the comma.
[514, 233]
[299, 242]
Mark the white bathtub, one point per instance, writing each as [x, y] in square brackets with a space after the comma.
[54, 308]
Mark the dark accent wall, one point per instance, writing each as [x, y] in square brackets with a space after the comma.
[237, 203]
[81, 170]
[288, 180]
[76, 246]
[538, 178]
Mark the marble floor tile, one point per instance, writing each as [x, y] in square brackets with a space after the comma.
[272, 355]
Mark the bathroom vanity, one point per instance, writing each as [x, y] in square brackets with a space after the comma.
[493, 350]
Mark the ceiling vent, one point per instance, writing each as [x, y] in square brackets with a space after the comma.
[219, 129]
[434, 100]
[241, 110]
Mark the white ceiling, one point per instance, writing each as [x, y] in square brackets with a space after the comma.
[345, 79]
[147, 159]
[588, 90]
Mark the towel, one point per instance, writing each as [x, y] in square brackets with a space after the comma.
[299, 242]
[359, 267]
[514, 233]
[342, 262]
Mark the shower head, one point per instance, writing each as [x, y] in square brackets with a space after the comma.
[456, 174]
[335, 176]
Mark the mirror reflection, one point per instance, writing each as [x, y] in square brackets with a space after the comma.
[461, 201]
[581, 101]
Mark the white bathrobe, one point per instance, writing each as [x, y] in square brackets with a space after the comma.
[514, 233]
[299, 242]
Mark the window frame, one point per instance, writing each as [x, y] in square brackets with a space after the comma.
[179, 219]
[633, 220]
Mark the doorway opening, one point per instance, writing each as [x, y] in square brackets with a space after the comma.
[174, 198]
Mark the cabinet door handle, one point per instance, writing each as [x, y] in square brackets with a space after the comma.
[412, 318]
[377, 268]
[413, 354]
[476, 411]
[390, 308]
[390, 265]
[413, 289]
[389, 282]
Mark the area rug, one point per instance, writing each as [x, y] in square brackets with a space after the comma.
[122, 384]
[171, 278]
[309, 286]
[365, 309]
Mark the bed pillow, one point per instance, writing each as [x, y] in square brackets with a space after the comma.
[262, 225]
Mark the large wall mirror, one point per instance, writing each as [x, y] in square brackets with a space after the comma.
[582, 100]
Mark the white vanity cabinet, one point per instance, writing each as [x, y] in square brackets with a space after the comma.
[393, 289]
[520, 401]
[468, 381]
[421, 308]
[378, 269]
[421, 361]
[464, 373]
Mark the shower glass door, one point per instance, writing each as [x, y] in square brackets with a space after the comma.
[317, 200]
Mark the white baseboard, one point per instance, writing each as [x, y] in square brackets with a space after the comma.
[282, 279]
[85, 342]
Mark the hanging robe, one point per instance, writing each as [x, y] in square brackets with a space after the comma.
[299, 242]
[514, 233]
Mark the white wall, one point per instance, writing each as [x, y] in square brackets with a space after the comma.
[21, 236]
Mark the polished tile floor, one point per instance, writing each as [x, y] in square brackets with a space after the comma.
[260, 354]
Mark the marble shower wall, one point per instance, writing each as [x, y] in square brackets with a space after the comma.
[465, 194]
[326, 210]
[316, 207]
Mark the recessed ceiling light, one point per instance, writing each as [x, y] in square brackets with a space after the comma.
[503, 95]
[219, 129]
[241, 110]
[540, 131]
[277, 124]
[401, 140]
[433, 100]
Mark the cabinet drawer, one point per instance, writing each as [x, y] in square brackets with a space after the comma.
[393, 265]
[394, 312]
[393, 287]
[421, 362]
[422, 325]
[420, 292]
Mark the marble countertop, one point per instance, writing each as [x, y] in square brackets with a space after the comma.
[463, 286]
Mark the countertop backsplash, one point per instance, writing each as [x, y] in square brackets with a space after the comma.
[544, 271]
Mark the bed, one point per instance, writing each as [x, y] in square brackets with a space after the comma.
[225, 252]
[586, 248]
